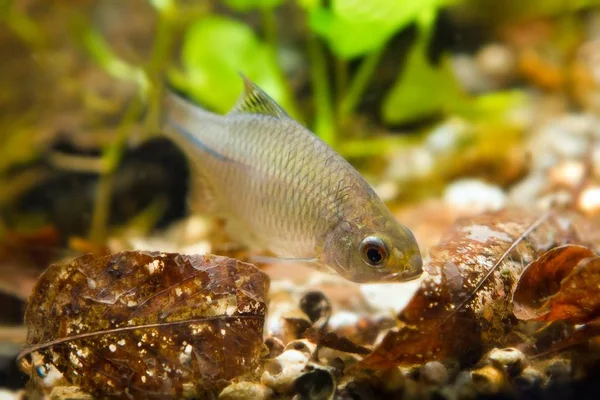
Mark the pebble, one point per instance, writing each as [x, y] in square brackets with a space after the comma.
[434, 373]
[474, 196]
[589, 200]
[498, 62]
[281, 372]
[488, 380]
[246, 391]
[511, 359]
[529, 378]
[558, 371]
[389, 297]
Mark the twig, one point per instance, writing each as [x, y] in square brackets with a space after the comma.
[86, 335]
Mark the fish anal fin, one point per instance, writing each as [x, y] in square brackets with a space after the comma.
[255, 101]
[276, 260]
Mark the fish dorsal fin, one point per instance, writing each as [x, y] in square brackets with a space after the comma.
[255, 101]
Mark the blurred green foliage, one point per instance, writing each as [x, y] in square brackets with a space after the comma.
[337, 48]
[247, 5]
[216, 49]
[354, 28]
[419, 80]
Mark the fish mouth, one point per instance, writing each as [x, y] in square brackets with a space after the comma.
[414, 271]
[405, 276]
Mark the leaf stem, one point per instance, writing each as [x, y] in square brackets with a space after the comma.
[359, 83]
[270, 31]
[324, 115]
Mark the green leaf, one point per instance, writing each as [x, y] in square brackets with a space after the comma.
[422, 89]
[247, 5]
[355, 27]
[215, 51]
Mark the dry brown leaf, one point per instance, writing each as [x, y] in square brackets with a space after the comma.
[334, 341]
[463, 304]
[542, 278]
[143, 324]
[578, 299]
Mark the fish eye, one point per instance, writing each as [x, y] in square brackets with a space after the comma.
[373, 251]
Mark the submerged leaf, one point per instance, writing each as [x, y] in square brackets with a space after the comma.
[215, 51]
[334, 341]
[542, 278]
[578, 299]
[422, 89]
[463, 305]
[143, 325]
[344, 24]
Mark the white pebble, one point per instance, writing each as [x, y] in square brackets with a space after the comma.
[389, 297]
[474, 196]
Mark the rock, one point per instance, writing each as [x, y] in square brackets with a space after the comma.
[281, 372]
[510, 359]
[488, 380]
[558, 371]
[530, 378]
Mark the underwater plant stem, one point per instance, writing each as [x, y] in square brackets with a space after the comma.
[154, 69]
[111, 158]
[23, 26]
[113, 154]
[270, 31]
[341, 78]
[324, 115]
[359, 84]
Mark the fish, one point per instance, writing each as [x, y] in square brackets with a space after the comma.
[282, 189]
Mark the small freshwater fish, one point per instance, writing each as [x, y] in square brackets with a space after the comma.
[282, 188]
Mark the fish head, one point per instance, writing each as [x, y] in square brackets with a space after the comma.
[380, 251]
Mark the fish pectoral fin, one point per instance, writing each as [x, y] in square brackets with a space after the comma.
[274, 260]
[255, 101]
